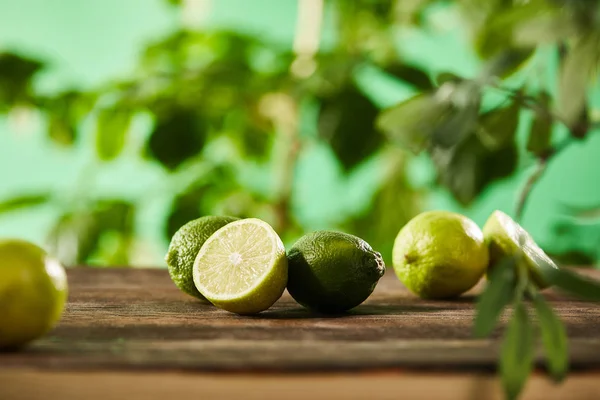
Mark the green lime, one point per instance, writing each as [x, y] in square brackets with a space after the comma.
[184, 248]
[440, 254]
[242, 267]
[33, 292]
[505, 238]
[332, 272]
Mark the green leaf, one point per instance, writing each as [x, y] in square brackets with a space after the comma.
[185, 207]
[394, 203]
[540, 134]
[112, 125]
[469, 167]
[409, 74]
[26, 201]
[498, 127]
[580, 63]
[549, 26]
[554, 338]
[76, 236]
[506, 62]
[347, 122]
[516, 359]
[496, 34]
[497, 295]
[449, 77]
[61, 131]
[571, 282]
[177, 137]
[115, 215]
[412, 122]
[65, 112]
[16, 75]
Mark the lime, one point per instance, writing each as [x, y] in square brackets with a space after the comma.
[505, 237]
[332, 272]
[33, 292]
[242, 267]
[440, 254]
[184, 248]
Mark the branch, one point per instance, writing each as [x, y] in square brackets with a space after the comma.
[537, 174]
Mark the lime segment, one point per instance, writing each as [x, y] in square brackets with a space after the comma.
[505, 237]
[242, 267]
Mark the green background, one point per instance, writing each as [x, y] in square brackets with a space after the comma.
[91, 42]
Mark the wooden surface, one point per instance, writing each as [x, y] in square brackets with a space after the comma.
[132, 321]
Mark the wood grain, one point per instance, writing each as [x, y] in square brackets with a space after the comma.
[136, 319]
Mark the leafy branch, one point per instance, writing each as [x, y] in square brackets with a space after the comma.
[509, 284]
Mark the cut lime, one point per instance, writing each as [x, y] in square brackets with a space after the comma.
[242, 267]
[184, 248]
[505, 238]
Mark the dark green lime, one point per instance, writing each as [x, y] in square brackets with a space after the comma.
[332, 272]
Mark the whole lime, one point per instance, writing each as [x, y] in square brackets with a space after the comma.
[332, 272]
[33, 292]
[440, 254]
[184, 248]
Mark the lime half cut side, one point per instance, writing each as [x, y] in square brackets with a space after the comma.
[242, 267]
[505, 238]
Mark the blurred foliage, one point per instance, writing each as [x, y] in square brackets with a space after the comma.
[219, 92]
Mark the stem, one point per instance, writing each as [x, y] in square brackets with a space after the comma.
[537, 174]
[526, 192]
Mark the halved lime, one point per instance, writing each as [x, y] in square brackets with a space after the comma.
[505, 237]
[242, 267]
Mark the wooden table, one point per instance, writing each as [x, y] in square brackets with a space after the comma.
[129, 333]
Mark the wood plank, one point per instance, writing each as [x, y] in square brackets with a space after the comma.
[106, 385]
[137, 319]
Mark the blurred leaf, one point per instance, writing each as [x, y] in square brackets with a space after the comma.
[76, 235]
[65, 111]
[554, 338]
[393, 205]
[16, 74]
[580, 63]
[497, 295]
[498, 127]
[585, 212]
[256, 143]
[112, 125]
[457, 124]
[516, 359]
[571, 282]
[185, 207]
[116, 215]
[412, 122]
[73, 238]
[540, 134]
[409, 74]
[448, 77]
[347, 121]
[177, 138]
[507, 62]
[496, 33]
[60, 131]
[25, 201]
[548, 26]
[577, 258]
[470, 166]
